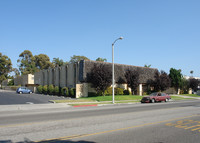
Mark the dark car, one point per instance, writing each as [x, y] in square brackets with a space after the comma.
[21, 90]
[156, 97]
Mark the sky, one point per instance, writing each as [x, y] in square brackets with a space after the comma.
[162, 33]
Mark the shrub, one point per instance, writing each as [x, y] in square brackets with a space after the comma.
[45, 89]
[64, 91]
[92, 94]
[127, 92]
[11, 82]
[108, 91]
[51, 89]
[39, 89]
[119, 91]
[56, 90]
[72, 92]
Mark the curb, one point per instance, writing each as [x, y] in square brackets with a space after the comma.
[85, 105]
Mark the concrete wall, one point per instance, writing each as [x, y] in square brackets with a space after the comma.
[51, 76]
[24, 80]
[17, 81]
[5, 82]
[45, 77]
[63, 76]
[71, 76]
[38, 78]
[57, 76]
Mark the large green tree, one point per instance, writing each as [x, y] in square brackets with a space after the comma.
[5, 67]
[27, 63]
[101, 59]
[76, 58]
[57, 62]
[42, 61]
[176, 78]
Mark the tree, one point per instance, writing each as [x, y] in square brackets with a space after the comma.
[193, 83]
[165, 81]
[100, 78]
[185, 85]
[191, 72]
[176, 78]
[42, 61]
[76, 58]
[5, 67]
[147, 66]
[57, 62]
[27, 63]
[101, 59]
[161, 81]
[132, 79]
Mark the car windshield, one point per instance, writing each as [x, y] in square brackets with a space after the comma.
[153, 94]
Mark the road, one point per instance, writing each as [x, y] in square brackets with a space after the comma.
[12, 98]
[172, 122]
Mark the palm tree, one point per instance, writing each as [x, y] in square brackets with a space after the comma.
[191, 72]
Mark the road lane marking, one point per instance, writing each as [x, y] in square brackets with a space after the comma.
[186, 124]
[109, 131]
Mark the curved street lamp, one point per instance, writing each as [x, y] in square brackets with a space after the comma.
[113, 71]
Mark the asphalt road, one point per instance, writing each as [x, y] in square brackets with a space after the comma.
[172, 122]
[12, 98]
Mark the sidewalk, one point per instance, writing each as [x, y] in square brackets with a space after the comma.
[29, 107]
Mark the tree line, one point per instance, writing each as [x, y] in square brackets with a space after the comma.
[101, 79]
[29, 63]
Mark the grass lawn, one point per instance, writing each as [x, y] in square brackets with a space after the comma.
[179, 98]
[117, 98]
[191, 95]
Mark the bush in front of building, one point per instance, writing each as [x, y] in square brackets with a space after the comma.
[56, 90]
[127, 92]
[72, 92]
[119, 91]
[45, 89]
[108, 91]
[65, 91]
[39, 89]
[51, 89]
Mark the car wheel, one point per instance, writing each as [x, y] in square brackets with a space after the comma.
[152, 100]
[20, 92]
[30, 92]
[166, 100]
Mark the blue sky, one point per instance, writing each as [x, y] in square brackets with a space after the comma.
[163, 33]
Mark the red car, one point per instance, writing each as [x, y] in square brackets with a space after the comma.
[156, 97]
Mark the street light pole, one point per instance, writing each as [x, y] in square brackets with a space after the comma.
[113, 71]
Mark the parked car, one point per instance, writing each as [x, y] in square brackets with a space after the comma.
[21, 90]
[156, 97]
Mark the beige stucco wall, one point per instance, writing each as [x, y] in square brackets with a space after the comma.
[82, 90]
[30, 79]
